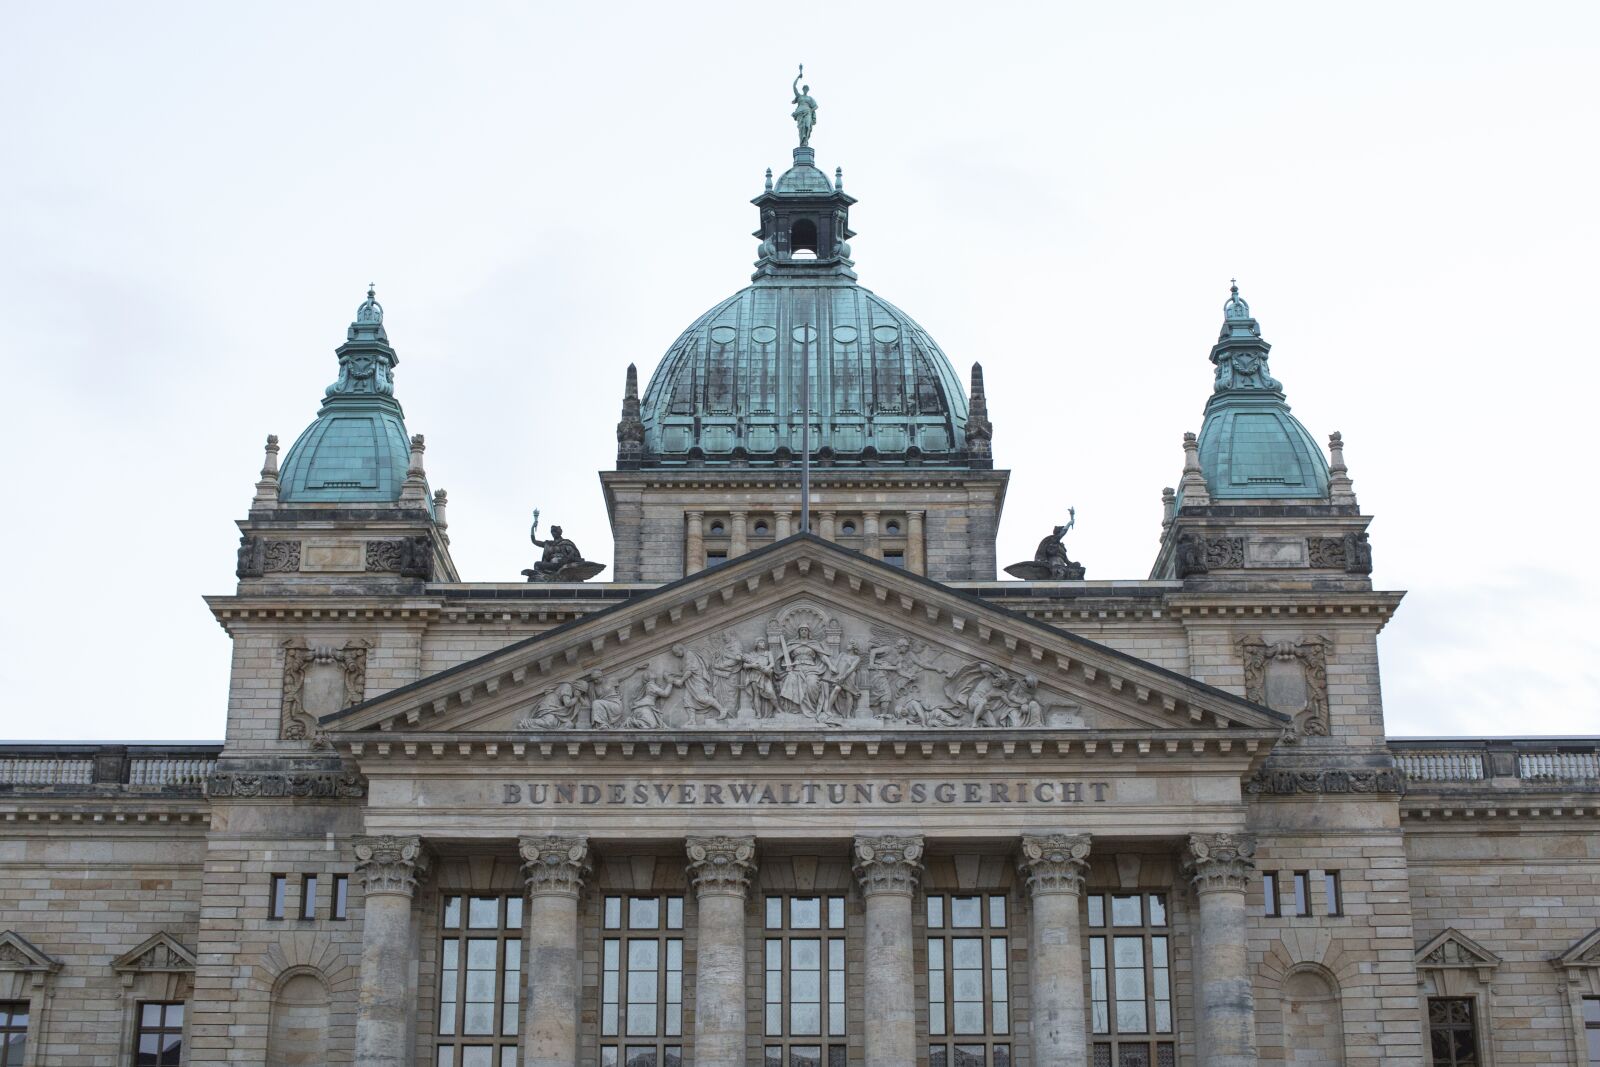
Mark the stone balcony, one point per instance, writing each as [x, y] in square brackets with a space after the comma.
[1503, 777]
[49, 769]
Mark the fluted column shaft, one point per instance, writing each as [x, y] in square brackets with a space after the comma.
[720, 868]
[554, 868]
[694, 542]
[888, 869]
[1219, 867]
[1054, 866]
[388, 869]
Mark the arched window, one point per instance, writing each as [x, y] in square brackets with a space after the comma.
[298, 1036]
[803, 239]
[1313, 1026]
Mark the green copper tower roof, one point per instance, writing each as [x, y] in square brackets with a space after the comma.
[1251, 447]
[357, 450]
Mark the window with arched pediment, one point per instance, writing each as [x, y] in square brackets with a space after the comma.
[298, 1034]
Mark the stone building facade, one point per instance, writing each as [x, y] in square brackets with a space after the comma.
[803, 797]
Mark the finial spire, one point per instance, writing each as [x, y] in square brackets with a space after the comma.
[979, 430]
[630, 429]
[769, 179]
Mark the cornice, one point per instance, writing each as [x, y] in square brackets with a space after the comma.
[1462, 810]
[785, 479]
[1246, 748]
[130, 813]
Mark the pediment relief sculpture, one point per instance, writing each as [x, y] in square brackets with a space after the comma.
[17, 953]
[802, 668]
[158, 955]
[1453, 950]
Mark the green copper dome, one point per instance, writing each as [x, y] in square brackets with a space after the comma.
[728, 391]
[1251, 447]
[357, 450]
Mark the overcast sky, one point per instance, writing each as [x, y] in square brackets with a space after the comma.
[195, 197]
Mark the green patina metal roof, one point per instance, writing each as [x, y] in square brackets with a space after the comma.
[1251, 447]
[357, 450]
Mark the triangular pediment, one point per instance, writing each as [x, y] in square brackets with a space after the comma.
[17, 953]
[1585, 952]
[1451, 949]
[160, 954]
[804, 636]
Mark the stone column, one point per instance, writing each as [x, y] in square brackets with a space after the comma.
[1054, 865]
[388, 869]
[1219, 867]
[554, 868]
[916, 552]
[826, 531]
[740, 544]
[720, 868]
[785, 524]
[694, 542]
[870, 544]
[888, 868]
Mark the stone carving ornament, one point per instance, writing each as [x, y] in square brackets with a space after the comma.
[888, 864]
[1055, 863]
[803, 670]
[1200, 555]
[297, 723]
[388, 864]
[411, 557]
[554, 865]
[310, 785]
[1351, 553]
[1221, 861]
[1334, 780]
[1311, 654]
[721, 865]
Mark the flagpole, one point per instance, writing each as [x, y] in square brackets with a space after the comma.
[805, 429]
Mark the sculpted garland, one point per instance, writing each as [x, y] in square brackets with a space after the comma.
[802, 672]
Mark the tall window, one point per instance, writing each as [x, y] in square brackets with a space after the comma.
[1453, 1031]
[158, 1037]
[1591, 1028]
[480, 978]
[805, 979]
[1130, 980]
[641, 982]
[278, 896]
[13, 1032]
[341, 897]
[1269, 894]
[969, 981]
[1302, 893]
[1330, 884]
[308, 896]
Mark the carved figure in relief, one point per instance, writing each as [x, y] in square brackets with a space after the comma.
[605, 702]
[840, 694]
[801, 663]
[757, 691]
[725, 668]
[557, 708]
[1023, 701]
[700, 696]
[978, 687]
[645, 712]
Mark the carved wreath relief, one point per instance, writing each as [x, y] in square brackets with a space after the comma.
[800, 669]
[319, 680]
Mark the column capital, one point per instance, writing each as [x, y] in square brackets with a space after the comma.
[721, 866]
[1054, 863]
[554, 865]
[387, 863]
[888, 864]
[1220, 861]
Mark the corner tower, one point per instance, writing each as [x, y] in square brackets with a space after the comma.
[708, 459]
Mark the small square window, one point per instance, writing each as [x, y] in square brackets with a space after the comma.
[895, 559]
[716, 559]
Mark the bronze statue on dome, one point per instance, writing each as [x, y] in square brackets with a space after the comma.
[805, 108]
[1050, 561]
[561, 562]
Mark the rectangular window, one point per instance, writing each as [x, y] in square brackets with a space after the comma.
[1330, 884]
[1269, 894]
[895, 559]
[278, 898]
[804, 971]
[1302, 893]
[341, 896]
[1453, 1031]
[1130, 980]
[969, 980]
[715, 559]
[158, 1034]
[641, 981]
[308, 897]
[480, 980]
[13, 1032]
[1591, 1029]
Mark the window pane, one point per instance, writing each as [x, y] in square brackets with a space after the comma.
[836, 913]
[613, 916]
[508, 1056]
[150, 1016]
[641, 1057]
[674, 913]
[1158, 910]
[644, 913]
[308, 897]
[1330, 880]
[513, 913]
[935, 912]
[452, 913]
[997, 912]
[477, 1056]
[966, 913]
[1269, 894]
[446, 1056]
[1097, 910]
[1002, 1056]
[1302, 898]
[774, 913]
[805, 1019]
[969, 1056]
[936, 1056]
[805, 913]
[1591, 1010]
[341, 896]
[1125, 911]
[483, 913]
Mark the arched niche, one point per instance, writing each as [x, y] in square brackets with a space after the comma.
[298, 1035]
[1313, 1023]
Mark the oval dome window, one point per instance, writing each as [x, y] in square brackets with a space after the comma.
[763, 335]
[845, 335]
[885, 335]
[724, 335]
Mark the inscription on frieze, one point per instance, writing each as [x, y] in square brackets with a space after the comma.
[758, 793]
[800, 669]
